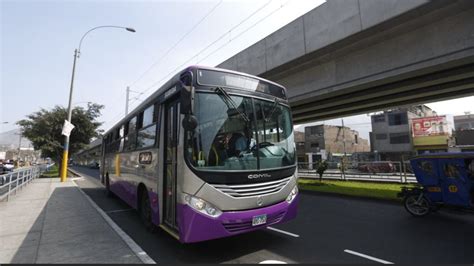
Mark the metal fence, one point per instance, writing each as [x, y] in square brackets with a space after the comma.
[380, 171]
[13, 181]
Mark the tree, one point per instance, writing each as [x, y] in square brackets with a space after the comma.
[322, 166]
[43, 129]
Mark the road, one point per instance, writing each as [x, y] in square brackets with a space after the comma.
[330, 229]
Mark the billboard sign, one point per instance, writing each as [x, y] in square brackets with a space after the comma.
[430, 126]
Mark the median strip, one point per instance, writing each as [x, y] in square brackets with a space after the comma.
[352, 188]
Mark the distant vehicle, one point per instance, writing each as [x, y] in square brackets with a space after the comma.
[444, 179]
[377, 167]
[8, 166]
[94, 165]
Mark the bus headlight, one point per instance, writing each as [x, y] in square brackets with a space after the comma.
[292, 194]
[202, 206]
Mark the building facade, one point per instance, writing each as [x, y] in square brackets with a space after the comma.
[391, 136]
[327, 141]
[464, 122]
[299, 142]
[464, 134]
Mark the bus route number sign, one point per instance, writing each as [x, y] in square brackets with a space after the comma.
[145, 158]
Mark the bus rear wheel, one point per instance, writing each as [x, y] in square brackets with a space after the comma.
[145, 212]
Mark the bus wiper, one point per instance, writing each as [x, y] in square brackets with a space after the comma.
[230, 103]
[274, 107]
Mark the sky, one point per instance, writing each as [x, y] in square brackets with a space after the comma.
[38, 39]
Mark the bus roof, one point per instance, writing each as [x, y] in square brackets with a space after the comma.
[173, 80]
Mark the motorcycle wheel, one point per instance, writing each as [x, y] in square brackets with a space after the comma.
[415, 207]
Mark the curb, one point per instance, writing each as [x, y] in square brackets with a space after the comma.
[139, 252]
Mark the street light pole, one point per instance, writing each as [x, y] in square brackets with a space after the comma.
[127, 100]
[69, 109]
[69, 114]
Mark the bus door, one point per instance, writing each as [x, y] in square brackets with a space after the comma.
[170, 156]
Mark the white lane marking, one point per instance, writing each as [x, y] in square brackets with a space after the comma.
[283, 232]
[115, 211]
[272, 262]
[367, 256]
[127, 239]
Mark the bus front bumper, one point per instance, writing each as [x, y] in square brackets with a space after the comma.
[196, 227]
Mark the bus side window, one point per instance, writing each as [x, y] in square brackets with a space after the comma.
[130, 136]
[147, 132]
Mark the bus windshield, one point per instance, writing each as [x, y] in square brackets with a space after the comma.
[240, 133]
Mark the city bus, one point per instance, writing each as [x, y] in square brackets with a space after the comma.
[210, 154]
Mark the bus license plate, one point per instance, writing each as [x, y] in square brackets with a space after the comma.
[259, 219]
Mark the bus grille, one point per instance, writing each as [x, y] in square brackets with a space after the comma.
[250, 190]
[242, 225]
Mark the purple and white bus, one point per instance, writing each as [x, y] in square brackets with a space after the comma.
[210, 154]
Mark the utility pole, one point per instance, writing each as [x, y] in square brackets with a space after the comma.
[19, 145]
[64, 163]
[344, 147]
[127, 100]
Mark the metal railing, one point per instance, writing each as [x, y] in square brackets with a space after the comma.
[381, 171]
[13, 181]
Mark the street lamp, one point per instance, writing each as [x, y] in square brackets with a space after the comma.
[69, 109]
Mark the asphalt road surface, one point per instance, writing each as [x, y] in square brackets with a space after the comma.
[328, 229]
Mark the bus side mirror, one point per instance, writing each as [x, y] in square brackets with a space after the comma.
[190, 122]
[187, 93]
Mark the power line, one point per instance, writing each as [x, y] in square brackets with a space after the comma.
[172, 47]
[176, 43]
[246, 30]
[213, 42]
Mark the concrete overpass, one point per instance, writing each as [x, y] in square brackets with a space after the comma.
[355, 56]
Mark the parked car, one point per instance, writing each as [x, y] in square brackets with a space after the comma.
[2, 170]
[8, 166]
[377, 167]
[94, 165]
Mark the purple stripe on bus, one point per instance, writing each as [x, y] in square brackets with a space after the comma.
[128, 193]
[155, 217]
[195, 227]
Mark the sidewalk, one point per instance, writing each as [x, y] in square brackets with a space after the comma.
[53, 222]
